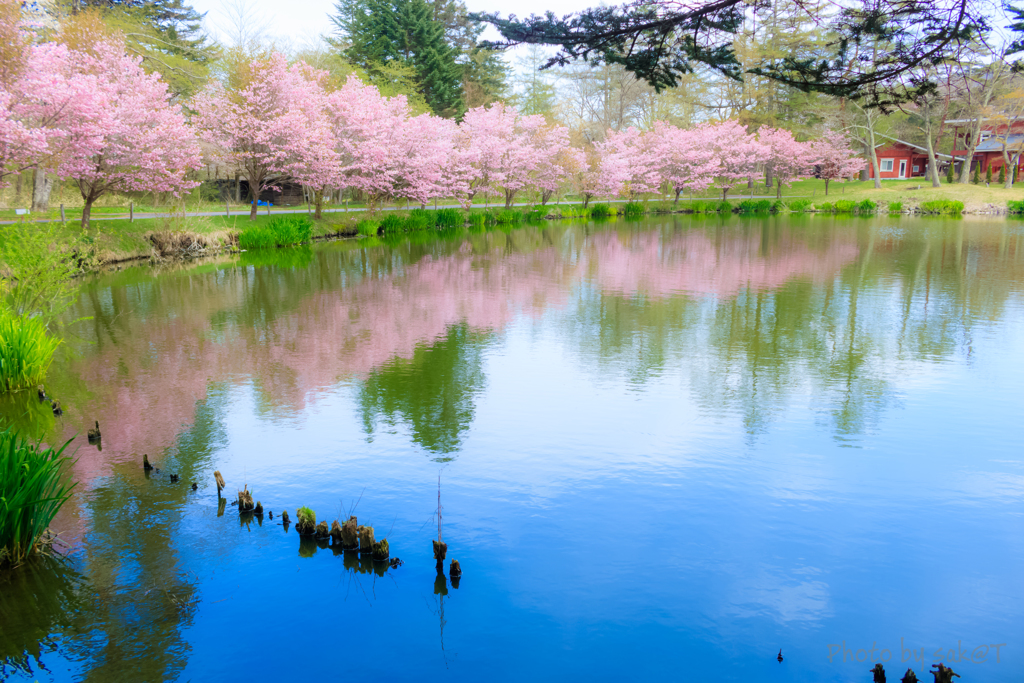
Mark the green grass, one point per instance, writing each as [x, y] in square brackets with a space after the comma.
[505, 217]
[283, 231]
[799, 205]
[867, 206]
[755, 206]
[633, 210]
[31, 494]
[845, 206]
[26, 351]
[1015, 206]
[368, 228]
[601, 211]
[449, 218]
[895, 207]
[942, 206]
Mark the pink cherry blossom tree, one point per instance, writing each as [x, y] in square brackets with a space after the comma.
[736, 152]
[423, 152]
[135, 141]
[834, 158]
[785, 159]
[629, 163]
[258, 124]
[683, 159]
[556, 159]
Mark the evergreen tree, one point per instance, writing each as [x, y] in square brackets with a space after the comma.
[977, 175]
[1002, 175]
[949, 173]
[377, 34]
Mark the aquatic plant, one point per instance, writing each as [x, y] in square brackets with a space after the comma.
[306, 523]
[449, 218]
[26, 351]
[283, 231]
[779, 206]
[755, 206]
[536, 214]
[368, 228]
[704, 207]
[845, 206]
[867, 206]
[799, 205]
[32, 491]
[824, 207]
[942, 206]
[724, 206]
[507, 216]
[478, 220]
[633, 210]
[601, 211]
[392, 223]
[895, 207]
[575, 211]
[418, 219]
[1015, 206]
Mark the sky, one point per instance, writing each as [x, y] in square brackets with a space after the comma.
[300, 21]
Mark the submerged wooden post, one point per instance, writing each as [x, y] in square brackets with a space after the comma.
[220, 482]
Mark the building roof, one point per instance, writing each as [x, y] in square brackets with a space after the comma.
[995, 143]
[923, 150]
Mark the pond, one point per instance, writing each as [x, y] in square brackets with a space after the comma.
[664, 449]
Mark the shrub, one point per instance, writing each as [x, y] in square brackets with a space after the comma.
[704, 207]
[601, 211]
[478, 220]
[949, 174]
[755, 206]
[418, 219]
[867, 206]
[942, 206]
[633, 210]
[26, 351]
[778, 206]
[799, 205]
[1002, 175]
[368, 228]
[988, 175]
[977, 175]
[31, 494]
[575, 211]
[508, 216]
[724, 206]
[283, 231]
[845, 206]
[449, 218]
[895, 207]
[824, 207]
[392, 223]
[1015, 206]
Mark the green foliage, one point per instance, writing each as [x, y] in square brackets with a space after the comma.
[799, 205]
[977, 175]
[306, 516]
[601, 210]
[824, 207]
[449, 218]
[633, 210]
[1002, 174]
[895, 207]
[392, 223]
[949, 174]
[26, 351]
[40, 271]
[283, 231]
[704, 207]
[1015, 206]
[418, 219]
[755, 206]
[724, 206]
[31, 493]
[942, 206]
[478, 220]
[506, 217]
[779, 206]
[866, 206]
[368, 228]
[536, 214]
[988, 174]
[575, 211]
[845, 206]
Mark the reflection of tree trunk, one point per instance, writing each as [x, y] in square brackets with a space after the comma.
[41, 187]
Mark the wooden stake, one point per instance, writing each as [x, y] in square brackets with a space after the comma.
[62, 218]
[131, 212]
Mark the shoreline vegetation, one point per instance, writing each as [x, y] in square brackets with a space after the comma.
[179, 233]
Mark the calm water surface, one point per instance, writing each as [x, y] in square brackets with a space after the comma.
[667, 449]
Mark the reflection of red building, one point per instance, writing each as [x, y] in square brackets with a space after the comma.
[899, 159]
[989, 152]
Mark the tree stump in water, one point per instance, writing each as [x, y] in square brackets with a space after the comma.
[943, 674]
[322, 530]
[909, 677]
[366, 541]
[220, 481]
[259, 508]
[454, 569]
[440, 551]
[381, 550]
[245, 501]
[335, 533]
[350, 534]
[878, 674]
[145, 462]
[306, 526]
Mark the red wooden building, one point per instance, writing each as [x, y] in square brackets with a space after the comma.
[989, 152]
[899, 159]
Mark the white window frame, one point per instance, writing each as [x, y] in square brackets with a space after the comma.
[985, 135]
[903, 168]
[882, 163]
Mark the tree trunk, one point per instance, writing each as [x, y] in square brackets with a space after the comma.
[778, 189]
[678, 191]
[253, 208]
[17, 187]
[826, 184]
[238, 188]
[1010, 168]
[318, 203]
[509, 196]
[933, 166]
[87, 211]
[41, 188]
[965, 170]
[768, 179]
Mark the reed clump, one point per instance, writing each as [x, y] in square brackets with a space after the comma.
[26, 351]
[306, 524]
[32, 490]
[283, 231]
